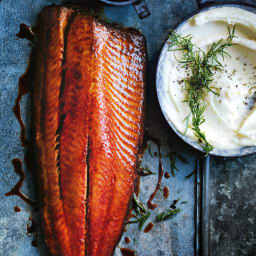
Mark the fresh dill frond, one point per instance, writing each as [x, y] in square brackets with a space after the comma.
[167, 214]
[141, 212]
[203, 67]
[173, 156]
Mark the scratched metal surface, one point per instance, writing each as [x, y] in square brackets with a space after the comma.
[171, 237]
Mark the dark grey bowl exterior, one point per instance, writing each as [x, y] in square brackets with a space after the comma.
[159, 80]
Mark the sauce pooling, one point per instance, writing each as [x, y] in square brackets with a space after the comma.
[15, 191]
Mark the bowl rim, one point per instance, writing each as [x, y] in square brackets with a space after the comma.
[117, 3]
[237, 152]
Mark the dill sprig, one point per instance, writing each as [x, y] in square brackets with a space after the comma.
[141, 212]
[167, 214]
[173, 156]
[173, 160]
[202, 65]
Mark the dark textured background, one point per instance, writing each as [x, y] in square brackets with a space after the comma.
[232, 201]
[233, 206]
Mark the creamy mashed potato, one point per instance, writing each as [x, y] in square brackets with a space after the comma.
[230, 118]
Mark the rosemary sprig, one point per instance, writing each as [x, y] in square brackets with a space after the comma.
[142, 214]
[202, 66]
[167, 214]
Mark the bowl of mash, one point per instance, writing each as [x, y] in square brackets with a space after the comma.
[230, 115]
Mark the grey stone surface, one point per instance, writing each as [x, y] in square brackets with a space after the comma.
[233, 206]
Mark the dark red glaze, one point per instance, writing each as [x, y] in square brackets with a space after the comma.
[15, 191]
[127, 240]
[24, 84]
[149, 137]
[23, 89]
[166, 192]
[17, 209]
[167, 175]
[148, 227]
[127, 252]
[34, 243]
[26, 32]
[150, 204]
[32, 229]
[137, 187]
[88, 117]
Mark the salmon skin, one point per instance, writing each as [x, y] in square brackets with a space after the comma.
[88, 98]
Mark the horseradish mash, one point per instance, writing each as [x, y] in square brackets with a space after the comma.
[230, 114]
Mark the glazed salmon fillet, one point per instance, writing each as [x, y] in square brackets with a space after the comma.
[48, 79]
[88, 102]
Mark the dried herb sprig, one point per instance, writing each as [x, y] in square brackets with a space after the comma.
[145, 171]
[141, 212]
[202, 66]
